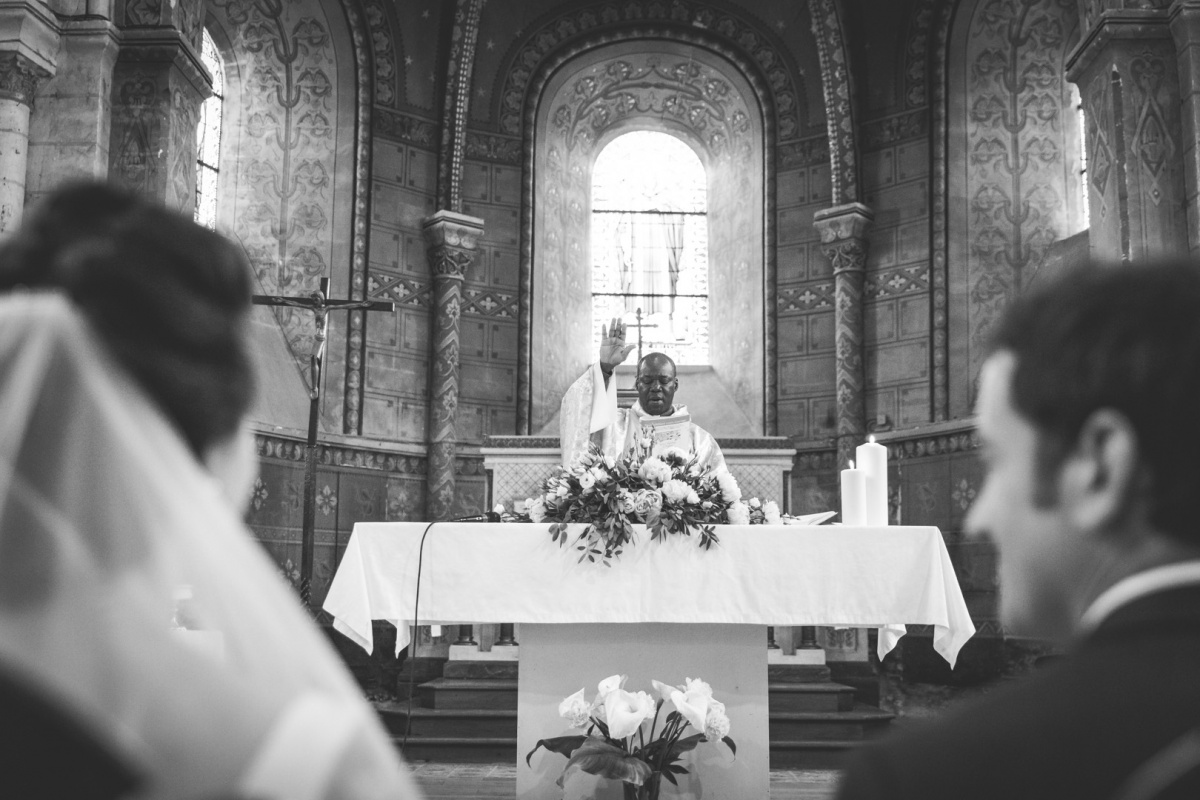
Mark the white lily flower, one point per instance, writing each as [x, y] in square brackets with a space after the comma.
[627, 711]
[692, 705]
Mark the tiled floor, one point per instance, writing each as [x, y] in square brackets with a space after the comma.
[466, 781]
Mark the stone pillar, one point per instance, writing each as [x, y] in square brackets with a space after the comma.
[28, 54]
[451, 240]
[844, 242]
[69, 134]
[158, 85]
[1127, 72]
[1185, 30]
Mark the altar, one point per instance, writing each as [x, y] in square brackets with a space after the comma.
[757, 576]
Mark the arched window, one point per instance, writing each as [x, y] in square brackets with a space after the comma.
[650, 244]
[208, 137]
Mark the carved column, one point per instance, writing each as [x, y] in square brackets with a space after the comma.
[1126, 69]
[69, 134]
[1185, 29]
[451, 240]
[158, 85]
[844, 242]
[29, 37]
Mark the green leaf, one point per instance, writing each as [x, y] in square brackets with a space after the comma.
[732, 746]
[686, 743]
[606, 761]
[667, 774]
[563, 745]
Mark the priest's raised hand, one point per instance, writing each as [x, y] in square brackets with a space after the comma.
[613, 350]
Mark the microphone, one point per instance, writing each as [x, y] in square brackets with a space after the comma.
[487, 516]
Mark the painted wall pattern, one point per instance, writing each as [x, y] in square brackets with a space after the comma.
[287, 146]
[1017, 158]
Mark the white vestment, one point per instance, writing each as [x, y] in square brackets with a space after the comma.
[589, 413]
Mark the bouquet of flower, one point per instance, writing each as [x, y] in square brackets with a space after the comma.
[672, 494]
[622, 739]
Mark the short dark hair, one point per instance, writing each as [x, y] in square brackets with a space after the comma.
[655, 356]
[169, 298]
[1120, 337]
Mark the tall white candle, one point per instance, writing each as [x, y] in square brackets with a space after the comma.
[872, 460]
[854, 496]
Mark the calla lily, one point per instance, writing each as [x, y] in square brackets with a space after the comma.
[663, 690]
[627, 711]
[693, 705]
[609, 685]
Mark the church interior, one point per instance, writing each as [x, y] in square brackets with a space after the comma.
[871, 182]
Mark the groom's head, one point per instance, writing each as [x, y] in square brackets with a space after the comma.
[656, 383]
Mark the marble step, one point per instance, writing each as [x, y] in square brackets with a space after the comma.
[458, 749]
[472, 723]
[825, 696]
[486, 693]
[862, 722]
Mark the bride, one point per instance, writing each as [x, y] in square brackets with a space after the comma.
[124, 464]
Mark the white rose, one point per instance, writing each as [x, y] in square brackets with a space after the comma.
[575, 710]
[692, 497]
[739, 514]
[771, 512]
[679, 453]
[754, 503]
[730, 492]
[586, 481]
[599, 475]
[675, 491]
[610, 462]
[698, 686]
[626, 501]
[537, 509]
[654, 471]
[716, 723]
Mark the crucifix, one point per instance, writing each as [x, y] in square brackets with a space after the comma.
[639, 325]
[319, 303]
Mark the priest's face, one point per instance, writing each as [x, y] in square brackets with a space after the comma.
[1040, 556]
[656, 384]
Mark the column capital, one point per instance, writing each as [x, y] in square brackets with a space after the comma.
[839, 223]
[451, 241]
[1119, 24]
[20, 77]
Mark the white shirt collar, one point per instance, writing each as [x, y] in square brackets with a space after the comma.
[1126, 590]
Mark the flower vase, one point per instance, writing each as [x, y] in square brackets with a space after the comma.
[647, 791]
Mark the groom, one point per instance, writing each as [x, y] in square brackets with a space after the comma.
[589, 410]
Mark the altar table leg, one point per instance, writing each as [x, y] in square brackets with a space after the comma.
[558, 660]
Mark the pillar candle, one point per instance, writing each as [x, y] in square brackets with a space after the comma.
[854, 496]
[872, 461]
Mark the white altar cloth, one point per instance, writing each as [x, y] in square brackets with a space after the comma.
[758, 575]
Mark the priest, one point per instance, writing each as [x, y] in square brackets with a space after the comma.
[589, 410]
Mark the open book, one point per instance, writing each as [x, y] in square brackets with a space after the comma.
[668, 432]
[809, 519]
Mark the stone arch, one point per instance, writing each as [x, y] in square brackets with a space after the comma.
[585, 102]
[839, 99]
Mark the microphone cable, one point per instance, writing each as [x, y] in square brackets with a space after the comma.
[416, 635]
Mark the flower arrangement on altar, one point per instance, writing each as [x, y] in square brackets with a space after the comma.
[671, 494]
[622, 739]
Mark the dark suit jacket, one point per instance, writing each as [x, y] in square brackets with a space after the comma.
[1075, 729]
